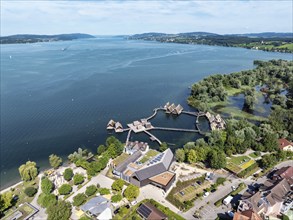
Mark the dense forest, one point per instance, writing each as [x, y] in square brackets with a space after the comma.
[276, 42]
[275, 77]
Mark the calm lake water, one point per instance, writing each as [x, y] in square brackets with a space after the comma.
[54, 101]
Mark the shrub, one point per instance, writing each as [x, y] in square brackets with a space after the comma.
[30, 191]
[90, 190]
[118, 185]
[47, 186]
[131, 192]
[79, 199]
[220, 180]
[104, 191]
[65, 189]
[68, 174]
[78, 179]
[116, 198]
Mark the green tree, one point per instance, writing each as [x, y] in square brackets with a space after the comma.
[268, 160]
[46, 200]
[60, 211]
[91, 190]
[116, 198]
[47, 186]
[68, 174]
[79, 199]
[131, 192]
[55, 161]
[163, 146]
[217, 159]
[65, 189]
[30, 191]
[191, 157]
[118, 185]
[180, 155]
[101, 149]
[78, 179]
[5, 201]
[28, 171]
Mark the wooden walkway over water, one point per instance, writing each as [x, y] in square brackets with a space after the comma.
[175, 129]
[153, 137]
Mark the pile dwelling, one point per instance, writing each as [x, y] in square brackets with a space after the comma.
[117, 126]
[173, 109]
[216, 122]
[139, 126]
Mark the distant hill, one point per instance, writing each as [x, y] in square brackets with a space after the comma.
[268, 35]
[31, 38]
[268, 41]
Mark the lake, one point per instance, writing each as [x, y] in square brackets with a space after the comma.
[58, 96]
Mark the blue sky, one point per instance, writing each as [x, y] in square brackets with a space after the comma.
[130, 17]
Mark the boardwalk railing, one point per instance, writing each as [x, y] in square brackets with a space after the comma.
[153, 136]
[176, 129]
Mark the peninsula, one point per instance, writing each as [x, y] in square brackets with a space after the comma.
[31, 38]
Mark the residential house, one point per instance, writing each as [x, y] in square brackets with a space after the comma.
[268, 201]
[284, 144]
[96, 206]
[284, 173]
[246, 215]
[149, 212]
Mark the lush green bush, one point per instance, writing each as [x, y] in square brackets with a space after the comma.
[90, 190]
[46, 200]
[78, 179]
[79, 199]
[65, 189]
[248, 170]
[68, 174]
[116, 198]
[104, 191]
[131, 192]
[47, 186]
[220, 181]
[30, 191]
[118, 185]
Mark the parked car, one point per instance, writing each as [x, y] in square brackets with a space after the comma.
[134, 202]
[230, 214]
[213, 190]
[116, 211]
[206, 194]
[182, 193]
[198, 182]
[233, 188]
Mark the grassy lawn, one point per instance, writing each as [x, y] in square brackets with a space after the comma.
[238, 164]
[118, 160]
[247, 164]
[289, 46]
[239, 160]
[151, 153]
[254, 155]
[233, 168]
[191, 191]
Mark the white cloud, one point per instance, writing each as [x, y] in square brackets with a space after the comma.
[128, 17]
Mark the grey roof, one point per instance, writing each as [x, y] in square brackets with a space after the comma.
[156, 168]
[96, 205]
[121, 167]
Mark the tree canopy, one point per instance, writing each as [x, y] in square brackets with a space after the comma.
[55, 161]
[68, 174]
[46, 185]
[28, 171]
[61, 211]
[131, 192]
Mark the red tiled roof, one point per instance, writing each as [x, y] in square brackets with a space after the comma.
[284, 143]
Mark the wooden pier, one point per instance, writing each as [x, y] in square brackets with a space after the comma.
[128, 136]
[176, 129]
[153, 137]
